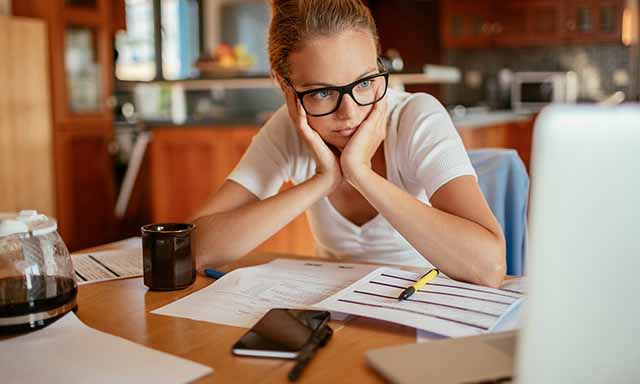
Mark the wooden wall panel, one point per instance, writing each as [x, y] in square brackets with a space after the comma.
[26, 141]
[6, 133]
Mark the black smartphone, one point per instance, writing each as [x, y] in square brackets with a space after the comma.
[281, 333]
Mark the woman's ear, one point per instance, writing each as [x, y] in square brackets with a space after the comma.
[281, 82]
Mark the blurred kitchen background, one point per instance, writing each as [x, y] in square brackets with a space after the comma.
[119, 113]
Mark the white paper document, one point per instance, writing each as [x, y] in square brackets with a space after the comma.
[68, 351]
[107, 265]
[443, 307]
[243, 296]
[509, 320]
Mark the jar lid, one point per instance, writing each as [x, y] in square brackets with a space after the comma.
[26, 221]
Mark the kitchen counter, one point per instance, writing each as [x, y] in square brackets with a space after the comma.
[190, 123]
[436, 75]
[480, 119]
[471, 118]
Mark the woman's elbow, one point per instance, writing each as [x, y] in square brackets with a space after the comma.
[211, 251]
[494, 277]
[496, 267]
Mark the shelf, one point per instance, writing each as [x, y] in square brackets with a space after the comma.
[395, 80]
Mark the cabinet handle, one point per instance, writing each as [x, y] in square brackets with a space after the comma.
[497, 28]
[571, 25]
[486, 28]
[113, 147]
[111, 102]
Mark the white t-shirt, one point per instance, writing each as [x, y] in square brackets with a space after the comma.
[423, 151]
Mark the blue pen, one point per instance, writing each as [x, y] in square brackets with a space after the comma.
[213, 273]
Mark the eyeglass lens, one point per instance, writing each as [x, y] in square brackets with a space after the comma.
[365, 92]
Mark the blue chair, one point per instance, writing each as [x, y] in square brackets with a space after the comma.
[504, 182]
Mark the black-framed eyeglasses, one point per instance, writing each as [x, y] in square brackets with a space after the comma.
[325, 101]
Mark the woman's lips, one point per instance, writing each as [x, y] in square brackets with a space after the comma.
[346, 131]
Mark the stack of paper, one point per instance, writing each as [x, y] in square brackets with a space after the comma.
[243, 296]
[445, 307]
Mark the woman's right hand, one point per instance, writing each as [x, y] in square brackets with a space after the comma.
[327, 162]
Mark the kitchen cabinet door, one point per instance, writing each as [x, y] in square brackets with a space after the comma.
[187, 165]
[86, 188]
[466, 23]
[81, 59]
[594, 21]
[520, 138]
[516, 135]
[529, 23]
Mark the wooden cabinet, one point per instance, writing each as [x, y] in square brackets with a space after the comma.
[467, 23]
[415, 37]
[594, 20]
[511, 23]
[516, 135]
[189, 164]
[81, 79]
[85, 188]
[528, 22]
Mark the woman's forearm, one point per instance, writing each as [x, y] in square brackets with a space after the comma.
[223, 237]
[460, 248]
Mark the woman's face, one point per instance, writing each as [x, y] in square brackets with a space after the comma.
[335, 60]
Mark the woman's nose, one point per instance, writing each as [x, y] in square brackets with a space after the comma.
[347, 108]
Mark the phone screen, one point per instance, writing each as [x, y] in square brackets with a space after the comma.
[281, 333]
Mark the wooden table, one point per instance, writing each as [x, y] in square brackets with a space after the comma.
[122, 308]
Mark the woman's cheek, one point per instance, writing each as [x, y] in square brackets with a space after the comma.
[320, 125]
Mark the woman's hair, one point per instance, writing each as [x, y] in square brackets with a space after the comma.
[295, 21]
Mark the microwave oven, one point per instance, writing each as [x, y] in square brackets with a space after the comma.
[531, 91]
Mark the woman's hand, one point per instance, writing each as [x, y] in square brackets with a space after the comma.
[356, 155]
[327, 165]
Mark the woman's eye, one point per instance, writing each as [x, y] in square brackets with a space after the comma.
[321, 94]
[365, 83]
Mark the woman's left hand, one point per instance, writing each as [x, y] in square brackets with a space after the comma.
[356, 155]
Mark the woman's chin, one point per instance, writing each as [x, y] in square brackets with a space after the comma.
[340, 143]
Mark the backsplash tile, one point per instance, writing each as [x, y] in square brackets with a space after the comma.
[594, 64]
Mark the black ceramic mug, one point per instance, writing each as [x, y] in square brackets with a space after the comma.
[167, 258]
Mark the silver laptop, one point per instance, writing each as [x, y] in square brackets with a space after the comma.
[582, 316]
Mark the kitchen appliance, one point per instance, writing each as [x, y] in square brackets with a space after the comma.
[37, 281]
[531, 91]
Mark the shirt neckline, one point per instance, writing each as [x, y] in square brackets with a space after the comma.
[391, 175]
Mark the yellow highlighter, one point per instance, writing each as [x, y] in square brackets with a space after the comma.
[427, 277]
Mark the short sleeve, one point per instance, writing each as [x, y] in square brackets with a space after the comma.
[270, 159]
[433, 151]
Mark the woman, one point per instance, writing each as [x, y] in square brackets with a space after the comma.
[382, 175]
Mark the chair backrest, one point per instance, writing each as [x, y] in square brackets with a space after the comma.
[504, 182]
